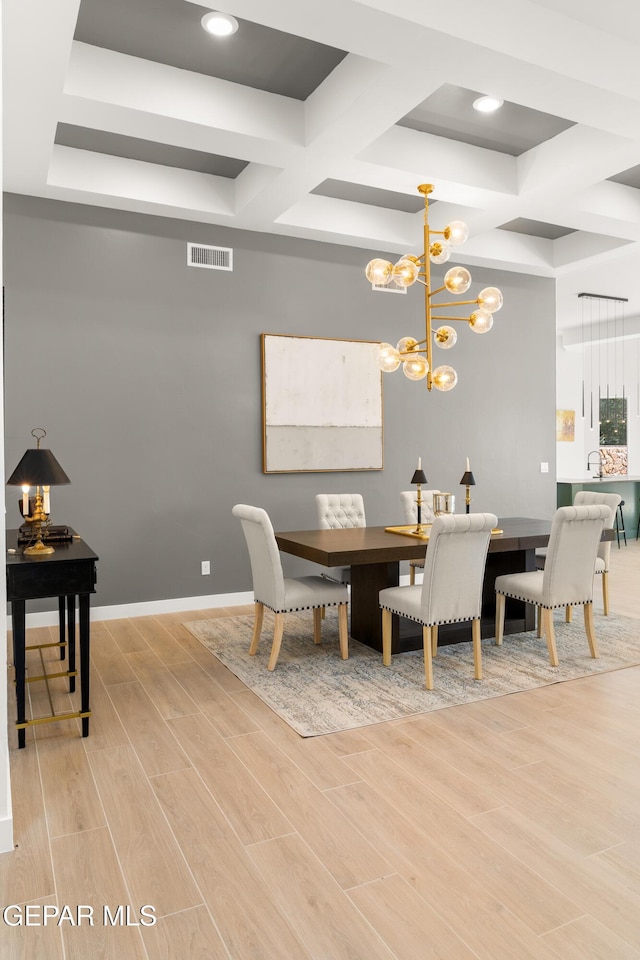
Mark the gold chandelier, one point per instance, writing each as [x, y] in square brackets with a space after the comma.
[416, 355]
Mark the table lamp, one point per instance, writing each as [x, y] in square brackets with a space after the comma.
[40, 469]
[468, 480]
[419, 478]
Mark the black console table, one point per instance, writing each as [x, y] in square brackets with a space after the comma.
[68, 573]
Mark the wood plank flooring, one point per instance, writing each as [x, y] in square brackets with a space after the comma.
[502, 830]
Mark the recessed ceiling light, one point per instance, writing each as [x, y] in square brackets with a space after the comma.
[487, 104]
[219, 24]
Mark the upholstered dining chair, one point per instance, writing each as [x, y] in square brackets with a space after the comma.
[611, 500]
[336, 511]
[282, 595]
[451, 589]
[410, 507]
[567, 578]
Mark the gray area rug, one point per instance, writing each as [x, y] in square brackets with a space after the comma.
[316, 692]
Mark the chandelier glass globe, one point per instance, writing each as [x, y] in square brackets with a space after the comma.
[406, 345]
[444, 378]
[440, 251]
[491, 299]
[445, 337]
[456, 232]
[481, 320]
[415, 368]
[405, 272]
[457, 280]
[379, 271]
[388, 358]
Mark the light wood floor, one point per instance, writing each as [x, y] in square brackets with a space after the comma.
[503, 830]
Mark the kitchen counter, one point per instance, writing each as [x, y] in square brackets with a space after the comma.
[628, 487]
[612, 478]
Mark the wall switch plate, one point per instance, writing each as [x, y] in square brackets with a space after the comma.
[544, 467]
[205, 568]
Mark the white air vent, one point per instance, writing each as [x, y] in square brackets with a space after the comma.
[213, 258]
[387, 288]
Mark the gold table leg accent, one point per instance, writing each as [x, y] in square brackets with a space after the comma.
[59, 716]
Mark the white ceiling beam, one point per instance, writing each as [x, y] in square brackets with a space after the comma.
[34, 66]
[160, 188]
[100, 75]
[541, 37]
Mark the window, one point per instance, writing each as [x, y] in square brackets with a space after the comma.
[613, 421]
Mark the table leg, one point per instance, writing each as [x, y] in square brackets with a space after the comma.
[19, 660]
[71, 639]
[61, 621]
[83, 617]
[367, 580]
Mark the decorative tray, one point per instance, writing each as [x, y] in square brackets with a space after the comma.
[410, 530]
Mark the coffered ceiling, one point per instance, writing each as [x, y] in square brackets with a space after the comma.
[319, 120]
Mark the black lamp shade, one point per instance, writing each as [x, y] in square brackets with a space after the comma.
[419, 477]
[468, 479]
[38, 468]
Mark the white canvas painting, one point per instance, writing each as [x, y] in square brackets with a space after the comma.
[322, 404]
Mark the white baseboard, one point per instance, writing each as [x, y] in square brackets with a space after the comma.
[6, 834]
[148, 608]
[6, 812]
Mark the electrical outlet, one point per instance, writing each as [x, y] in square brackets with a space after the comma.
[205, 568]
[544, 468]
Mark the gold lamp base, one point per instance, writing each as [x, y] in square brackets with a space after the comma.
[38, 549]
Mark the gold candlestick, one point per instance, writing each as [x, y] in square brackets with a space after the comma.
[468, 480]
[39, 519]
[419, 478]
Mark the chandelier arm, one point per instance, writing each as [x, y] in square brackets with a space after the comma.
[444, 317]
[439, 290]
[454, 303]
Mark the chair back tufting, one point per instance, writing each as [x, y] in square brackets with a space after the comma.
[336, 510]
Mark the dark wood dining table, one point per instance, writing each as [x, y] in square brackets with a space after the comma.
[374, 555]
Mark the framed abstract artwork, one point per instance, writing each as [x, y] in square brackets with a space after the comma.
[565, 426]
[321, 405]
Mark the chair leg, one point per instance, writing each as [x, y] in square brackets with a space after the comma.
[477, 649]
[428, 664]
[412, 575]
[605, 592]
[568, 613]
[434, 640]
[386, 637]
[278, 630]
[317, 623]
[547, 620]
[589, 627]
[540, 623]
[257, 628]
[343, 631]
[500, 602]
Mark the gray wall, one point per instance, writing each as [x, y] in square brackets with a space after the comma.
[146, 375]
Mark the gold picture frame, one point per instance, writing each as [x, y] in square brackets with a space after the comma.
[321, 405]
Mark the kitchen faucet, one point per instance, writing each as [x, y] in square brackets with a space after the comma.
[599, 456]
